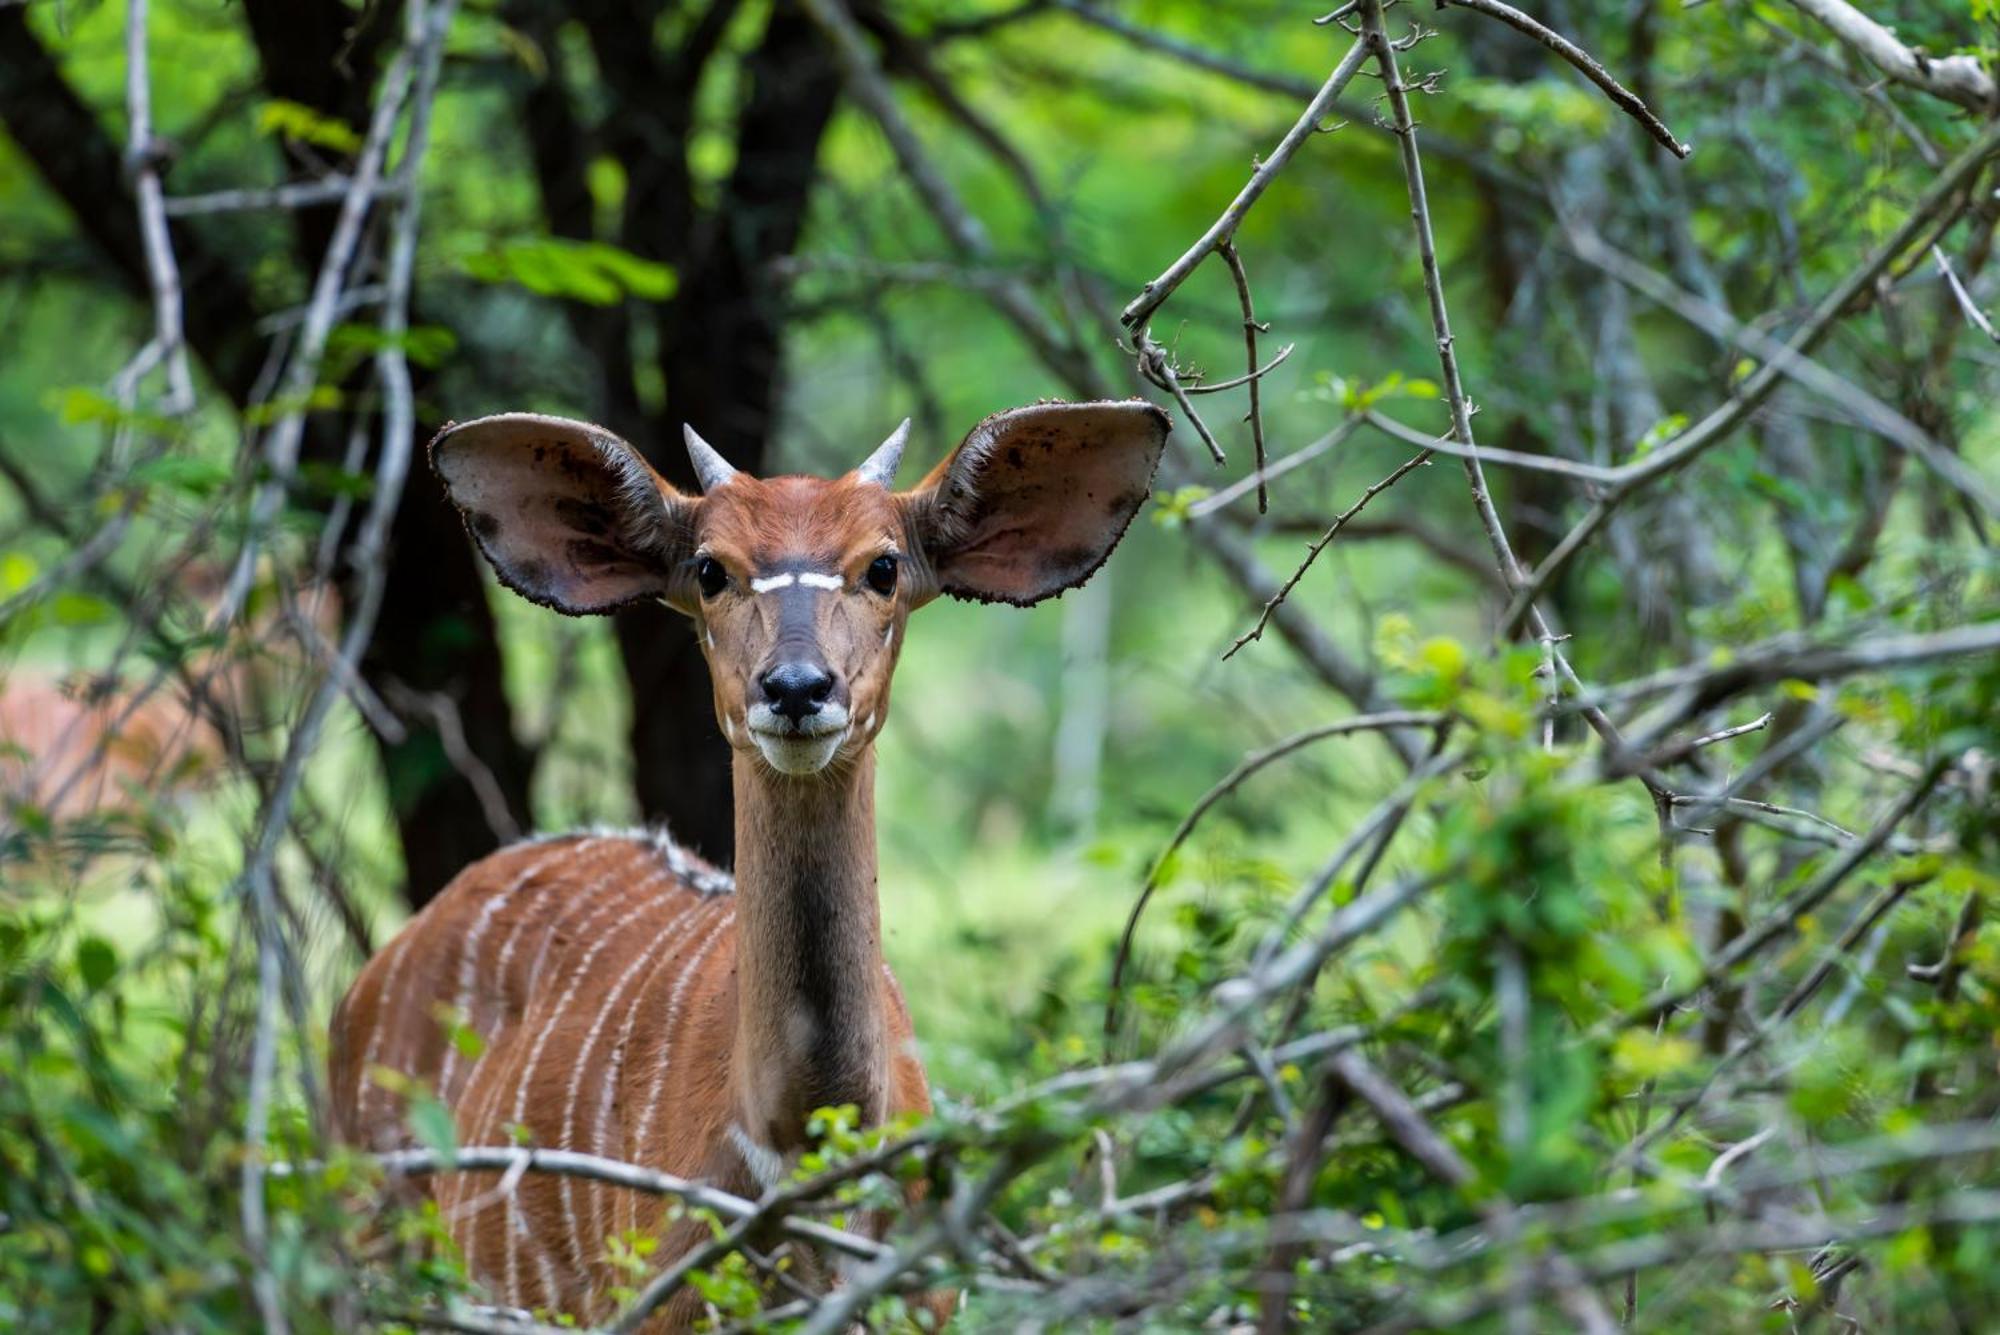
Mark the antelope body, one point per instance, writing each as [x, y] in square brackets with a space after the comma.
[631, 1000]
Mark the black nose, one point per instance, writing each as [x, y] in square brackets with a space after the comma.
[796, 689]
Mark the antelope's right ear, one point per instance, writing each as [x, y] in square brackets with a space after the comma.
[570, 515]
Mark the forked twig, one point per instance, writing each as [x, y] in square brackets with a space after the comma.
[1238, 381]
[1158, 367]
[1253, 375]
[1156, 292]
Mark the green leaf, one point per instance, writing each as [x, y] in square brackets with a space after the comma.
[17, 572]
[327, 479]
[320, 398]
[300, 123]
[199, 478]
[430, 1121]
[1170, 508]
[96, 962]
[81, 609]
[79, 405]
[1640, 1055]
[593, 272]
[425, 344]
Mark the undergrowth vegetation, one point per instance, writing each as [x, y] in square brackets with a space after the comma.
[1524, 865]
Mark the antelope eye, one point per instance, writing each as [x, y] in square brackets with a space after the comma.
[882, 575]
[708, 573]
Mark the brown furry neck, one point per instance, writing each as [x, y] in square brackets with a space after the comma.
[811, 1027]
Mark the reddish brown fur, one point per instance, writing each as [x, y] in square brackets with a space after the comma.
[549, 929]
[630, 1008]
[85, 745]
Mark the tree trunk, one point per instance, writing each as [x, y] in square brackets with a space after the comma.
[719, 352]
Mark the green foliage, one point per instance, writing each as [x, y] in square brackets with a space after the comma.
[302, 124]
[596, 272]
[1514, 999]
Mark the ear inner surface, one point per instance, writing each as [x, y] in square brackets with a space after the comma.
[1035, 498]
[570, 516]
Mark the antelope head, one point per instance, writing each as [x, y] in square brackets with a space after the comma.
[800, 587]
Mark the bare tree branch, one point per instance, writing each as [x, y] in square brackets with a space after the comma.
[1958, 79]
[1155, 293]
[1585, 64]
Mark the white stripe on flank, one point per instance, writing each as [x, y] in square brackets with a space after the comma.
[481, 1119]
[453, 1191]
[515, 1217]
[627, 1149]
[546, 1268]
[481, 1116]
[372, 1056]
[485, 1125]
[479, 1122]
[772, 583]
[814, 580]
[582, 902]
[580, 1062]
[468, 970]
[637, 1142]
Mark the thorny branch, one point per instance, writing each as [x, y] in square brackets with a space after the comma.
[1230, 1039]
[1584, 62]
[1210, 1048]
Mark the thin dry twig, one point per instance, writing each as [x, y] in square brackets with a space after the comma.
[1319, 545]
[142, 161]
[1409, 1128]
[417, 62]
[1156, 366]
[1250, 330]
[1786, 919]
[1587, 474]
[1332, 440]
[298, 194]
[1585, 63]
[1237, 382]
[1155, 293]
[1721, 421]
[1960, 79]
[1229, 783]
[1976, 316]
[1793, 363]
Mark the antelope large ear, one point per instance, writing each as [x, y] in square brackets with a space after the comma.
[1035, 499]
[570, 515]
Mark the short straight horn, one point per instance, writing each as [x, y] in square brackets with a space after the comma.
[880, 467]
[710, 468]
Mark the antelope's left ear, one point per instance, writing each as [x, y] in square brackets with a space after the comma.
[570, 515]
[1035, 498]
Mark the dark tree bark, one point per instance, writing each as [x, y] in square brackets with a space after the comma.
[719, 352]
[719, 337]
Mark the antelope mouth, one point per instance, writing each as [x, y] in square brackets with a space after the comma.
[804, 746]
